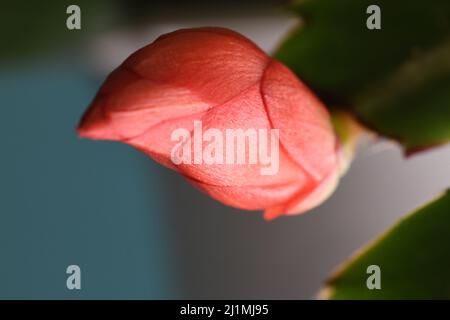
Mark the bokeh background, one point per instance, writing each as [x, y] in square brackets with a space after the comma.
[136, 229]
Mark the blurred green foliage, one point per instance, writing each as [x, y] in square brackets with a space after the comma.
[395, 80]
[31, 28]
[413, 258]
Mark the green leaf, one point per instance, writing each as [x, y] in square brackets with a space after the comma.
[414, 259]
[395, 80]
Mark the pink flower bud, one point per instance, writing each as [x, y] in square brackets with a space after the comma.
[208, 83]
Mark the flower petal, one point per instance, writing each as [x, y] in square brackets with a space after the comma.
[305, 126]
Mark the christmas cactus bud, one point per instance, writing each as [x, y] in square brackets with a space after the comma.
[236, 123]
